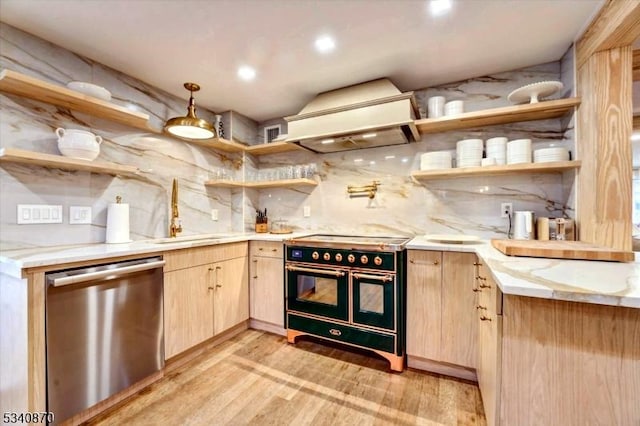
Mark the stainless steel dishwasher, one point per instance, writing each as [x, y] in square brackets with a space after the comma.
[104, 332]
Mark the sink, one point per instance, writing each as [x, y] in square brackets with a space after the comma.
[188, 238]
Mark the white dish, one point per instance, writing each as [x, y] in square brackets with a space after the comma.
[531, 93]
[455, 239]
[90, 89]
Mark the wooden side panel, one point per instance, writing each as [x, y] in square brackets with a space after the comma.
[231, 300]
[636, 65]
[604, 129]
[459, 321]
[569, 363]
[188, 308]
[267, 289]
[186, 258]
[14, 345]
[37, 343]
[424, 278]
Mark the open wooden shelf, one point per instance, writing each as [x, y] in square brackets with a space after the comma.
[495, 116]
[215, 143]
[283, 183]
[558, 166]
[32, 88]
[12, 155]
[272, 148]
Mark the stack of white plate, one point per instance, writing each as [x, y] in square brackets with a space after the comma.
[469, 153]
[519, 151]
[435, 160]
[497, 148]
[454, 108]
[547, 155]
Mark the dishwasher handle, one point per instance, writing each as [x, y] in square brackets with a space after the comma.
[108, 273]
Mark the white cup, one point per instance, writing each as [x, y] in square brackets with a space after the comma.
[436, 106]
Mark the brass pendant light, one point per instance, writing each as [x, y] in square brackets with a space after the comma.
[190, 127]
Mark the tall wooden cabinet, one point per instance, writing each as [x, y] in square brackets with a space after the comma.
[266, 271]
[206, 291]
[441, 321]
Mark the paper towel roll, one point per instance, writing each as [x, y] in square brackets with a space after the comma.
[117, 223]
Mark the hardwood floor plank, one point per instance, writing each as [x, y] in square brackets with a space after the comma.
[258, 378]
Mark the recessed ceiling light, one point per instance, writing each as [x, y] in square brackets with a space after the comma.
[246, 73]
[327, 141]
[368, 135]
[358, 160]
[325, 44]
[389, 157]
[439, 7]
[373, 163]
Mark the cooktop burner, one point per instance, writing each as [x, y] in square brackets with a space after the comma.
[354, 242]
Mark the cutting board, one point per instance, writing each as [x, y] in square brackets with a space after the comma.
[561, 250]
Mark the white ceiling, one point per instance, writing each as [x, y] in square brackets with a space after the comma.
[168, 42]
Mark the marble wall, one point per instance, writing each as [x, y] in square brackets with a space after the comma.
[402, 205]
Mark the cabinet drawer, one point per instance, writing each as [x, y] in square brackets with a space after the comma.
[489, 295]
[186, 258]
[267, 248]
[342, 333]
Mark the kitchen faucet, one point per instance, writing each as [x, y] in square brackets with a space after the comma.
[176, 224]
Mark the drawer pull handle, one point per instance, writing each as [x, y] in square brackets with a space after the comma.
[274, 249]
[477, 264]
[481, 307]
[210, 288]
[481, 278]
[484, 286]
[436, 262]
[335, 332]
[483, 318]
[475, 290]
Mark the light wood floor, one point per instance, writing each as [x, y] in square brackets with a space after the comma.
[257, 378]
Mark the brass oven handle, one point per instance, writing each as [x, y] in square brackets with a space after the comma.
[384, 278]
[316, 271]
[335, 332]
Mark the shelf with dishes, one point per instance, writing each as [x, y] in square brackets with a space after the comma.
[496, 116]
[281, 183]
[500, 170]
[272, 148]
[19, 84]
[12, 155]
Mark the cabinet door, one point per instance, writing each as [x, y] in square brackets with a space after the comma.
[231, 299]
[188, 313]
[459, 320]
[424, 277]
[489, 346]
[267, 289]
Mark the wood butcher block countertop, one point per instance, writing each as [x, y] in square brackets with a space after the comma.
[561, 250]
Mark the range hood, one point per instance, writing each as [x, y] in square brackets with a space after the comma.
[365, 115]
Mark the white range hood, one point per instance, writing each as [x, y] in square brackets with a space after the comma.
[365, 115]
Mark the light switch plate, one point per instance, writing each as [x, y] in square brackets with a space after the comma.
[214, 214]
[79, 215]
[29, 214]
[306, 211]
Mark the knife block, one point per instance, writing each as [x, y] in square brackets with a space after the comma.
[262, 228]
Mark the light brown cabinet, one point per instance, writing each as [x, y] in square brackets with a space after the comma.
[206, 291]
[441, 318]
[266, 271]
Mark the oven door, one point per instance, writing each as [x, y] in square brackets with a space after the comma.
[374, 301]
[318, 291]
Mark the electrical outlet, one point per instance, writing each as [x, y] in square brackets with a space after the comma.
[306, 211]
[214, 214]
[506, 209]
[79, 215]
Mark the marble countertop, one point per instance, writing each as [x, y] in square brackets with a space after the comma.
[604, 283]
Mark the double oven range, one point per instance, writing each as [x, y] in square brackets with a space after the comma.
[349, 289]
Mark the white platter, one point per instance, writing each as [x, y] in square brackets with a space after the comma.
[455, 239]
[532, 93]
[90, 89]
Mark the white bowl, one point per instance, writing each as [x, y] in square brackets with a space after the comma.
[497, 141]
[90, 89]
[79, 144]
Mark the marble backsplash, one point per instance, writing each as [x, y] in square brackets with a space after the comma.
[401, 206]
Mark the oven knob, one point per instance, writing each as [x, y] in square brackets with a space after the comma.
[315, 255]
[364, 259]
[326, 256]
[351, 258]
[338, 257]
[377, 260]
